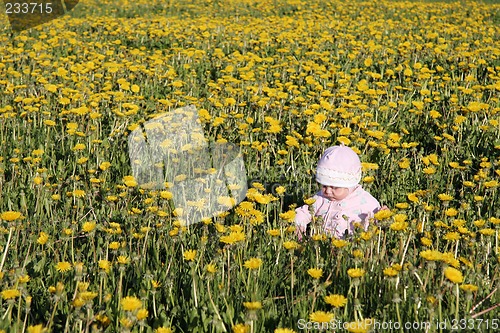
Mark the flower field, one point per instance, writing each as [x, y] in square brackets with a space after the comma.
[413, 87]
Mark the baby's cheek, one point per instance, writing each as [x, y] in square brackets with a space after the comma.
[342, 194]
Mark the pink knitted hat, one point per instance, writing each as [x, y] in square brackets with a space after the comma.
[339, 166]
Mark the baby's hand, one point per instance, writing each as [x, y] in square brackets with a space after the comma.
[299, 231]
[384, 207]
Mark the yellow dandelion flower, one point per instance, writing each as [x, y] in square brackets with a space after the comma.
[226, 201]
[280, 190]
[82, 160]
[431, 255]
[290, 245]
[36, 329]
[273, 232]
[88, 226]
[487, 231]
[78, 193]
[131, 303]
[129, 181]
[142, 314]
[166, 195]
[451, 212]
[399, 226]
[253, 263]
[319, 237]
[429, 170]
[163, 330]
[383, 214]
[358, 253]
[155, 284]
[404, 163]
[284, 330]
[453, 274]
[494, 220]
[426, 241]
[104, 166]
[252, 306]
[315, 273]
[339, 243]
[211, 268]
[412, 197]
[189, 255]
[402, 205]
[390, 271]
[24, 279]
[336, 300]
[292, 141]
[368, 179]
[105, 265]
[490, 184]
[88, 295]
[78, 146]
[43, 238]
[232, 238]
[452, 236]
[126, 322]
[10, 216]
[445, 197]
[10, 293]
[78, 302]
[245, 209]
[479, 223]
[288, 216]
[321, 317]
[469, 288]
[356, 272]
[309, 201]
[257, 217]
[240, 328]
[63, 266]
[114, 245]
[123, 260]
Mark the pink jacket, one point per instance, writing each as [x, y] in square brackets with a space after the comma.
[339, 216]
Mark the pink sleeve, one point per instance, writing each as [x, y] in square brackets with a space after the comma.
[370, 206]
[303, 215]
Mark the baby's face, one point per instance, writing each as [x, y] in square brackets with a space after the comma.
[334, 193]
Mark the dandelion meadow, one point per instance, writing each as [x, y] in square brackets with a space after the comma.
[413, 87]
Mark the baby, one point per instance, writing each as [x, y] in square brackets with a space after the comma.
[341, 201]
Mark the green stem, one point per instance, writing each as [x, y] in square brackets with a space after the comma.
[6, 248]
[194, 287]
[52, 316]
[7, 313]
[440, 316]
[399, 316]
[292, 277]
[154, 304]
[120, 284]
[314, 296]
